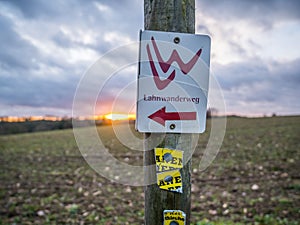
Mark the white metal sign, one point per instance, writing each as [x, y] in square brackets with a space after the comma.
[172, 82]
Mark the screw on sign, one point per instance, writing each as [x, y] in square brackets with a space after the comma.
[167, 157]
[168, 179]
[174, 223]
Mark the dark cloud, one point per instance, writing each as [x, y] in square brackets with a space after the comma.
[16, 53]
[264, 13]
[62, 40]
[34, 9]
[257, 83]
[236, 47]
[234, 75]
[82, 13]
[37, 92]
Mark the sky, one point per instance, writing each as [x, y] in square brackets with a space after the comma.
[46, 47]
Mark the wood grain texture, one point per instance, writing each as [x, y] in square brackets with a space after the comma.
[171, 16]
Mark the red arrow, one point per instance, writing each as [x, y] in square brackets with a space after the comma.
[160, 116]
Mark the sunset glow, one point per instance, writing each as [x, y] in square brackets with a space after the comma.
[119, 116]
[109, 116]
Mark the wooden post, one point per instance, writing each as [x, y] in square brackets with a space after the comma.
[171, 16]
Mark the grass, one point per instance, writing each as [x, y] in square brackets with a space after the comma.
[254, 179]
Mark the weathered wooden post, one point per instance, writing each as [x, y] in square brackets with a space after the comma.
[171, 16]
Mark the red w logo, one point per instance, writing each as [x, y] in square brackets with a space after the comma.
[165, 65]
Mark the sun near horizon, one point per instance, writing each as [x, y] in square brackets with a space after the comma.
[119, 116]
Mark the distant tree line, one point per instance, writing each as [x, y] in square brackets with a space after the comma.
[211, 112]
[35, 126]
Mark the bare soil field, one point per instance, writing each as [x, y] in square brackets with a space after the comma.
[254, 179]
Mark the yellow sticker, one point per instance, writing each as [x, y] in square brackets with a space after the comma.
[170, 180]
[168, 159]
[174, 217]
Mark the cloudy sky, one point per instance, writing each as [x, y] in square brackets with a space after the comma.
[47, 46]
